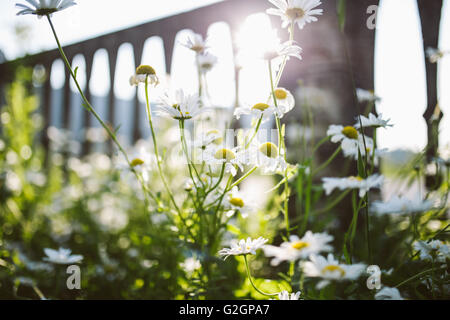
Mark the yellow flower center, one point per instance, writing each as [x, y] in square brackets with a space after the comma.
[260, 106]
[206, 66]
[280, 94]
[333, 268]
[145, 69]
[237, 202]
[357, 178]
[350, 132]
[224, 154]
[295, 13]
[197, 48]
[300, 245]
[269, 149]
[45, 11]
[137, 162]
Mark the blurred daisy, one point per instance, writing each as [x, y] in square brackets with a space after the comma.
[298, 12]
[43, 7]
[196, 43]
[62, 256]
[296, 248]
[243, 247]
[434, 249]
[266, 157]
[283, 50]
[144, 73]
[373, 121]
[285, 101]
[353, 148]
[330, 269]
[208, 138]
[179, 106]
[364, 185]
[218, 156]
[236, 201]
[401, 205]
[284, 295]
[264, 110]
[366, 95]
[206, 62]
[388, 293]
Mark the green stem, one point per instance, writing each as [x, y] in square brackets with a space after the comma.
[87, 105]
[326, 163]
[185, 151]
[255, 132]
[417, 276]
[253, 284]
[282, 146]
[222, 171]
[242, 178]
[155, 145]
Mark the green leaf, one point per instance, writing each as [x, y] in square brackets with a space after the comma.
[75, 72]
[233, 229]
[341, 10]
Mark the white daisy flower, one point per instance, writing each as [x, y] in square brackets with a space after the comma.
[218, 155]
[44, 7]
[364, 185]
[285, 101]
[366, 95]
[179, 106]
[283, 50]
[144, 73]
[330, 269]
[373, 121]
[284, 295]
[236, 201]
[352, 149]
[243, 247]
[401, 205]
[434, 249]
[266, 157]
[339, 133]
[299, 12]
[206, 62]
[296, 248]
[206, 139]
[256, 111]
[62, 256]
[195, 43]
[388, 293]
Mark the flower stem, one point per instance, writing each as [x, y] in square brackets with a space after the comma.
[155, 145]
[253, 284]
[242, 178]
[87, 105]
[282, 146]
[255, 132]
[326, 163]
